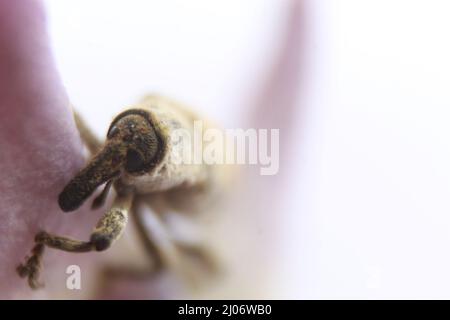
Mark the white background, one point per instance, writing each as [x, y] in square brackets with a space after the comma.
[368, 210]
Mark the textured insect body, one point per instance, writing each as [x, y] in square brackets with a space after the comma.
[167, 117]
[138, 158]
[189, 187]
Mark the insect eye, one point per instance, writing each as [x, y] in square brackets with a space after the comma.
[135, 162]
[112, 132]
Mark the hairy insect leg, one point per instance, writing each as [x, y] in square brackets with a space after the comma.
[161, 252]
[165, 252]
[108, 229]
[32, 267]
[89, 138]
[190, 242]
[169, 252]
[201, 254]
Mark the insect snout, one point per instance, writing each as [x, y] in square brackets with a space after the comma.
[132, 145]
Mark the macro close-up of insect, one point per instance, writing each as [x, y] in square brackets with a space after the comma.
[221, 150]
[140, 148]
[109, 192]
[136, 160]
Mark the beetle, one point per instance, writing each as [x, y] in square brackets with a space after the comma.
[137, 160]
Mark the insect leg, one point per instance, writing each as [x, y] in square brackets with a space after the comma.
[89, 139]
[163, 248]
[108, 229]
[188, 239]
[153, 236]
[161, 253]
[200, 254]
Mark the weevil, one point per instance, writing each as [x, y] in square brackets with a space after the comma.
[136, 159]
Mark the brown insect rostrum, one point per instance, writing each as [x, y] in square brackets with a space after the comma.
[136, 160]
[132, 145]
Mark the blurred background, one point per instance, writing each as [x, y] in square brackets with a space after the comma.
[360, 208]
